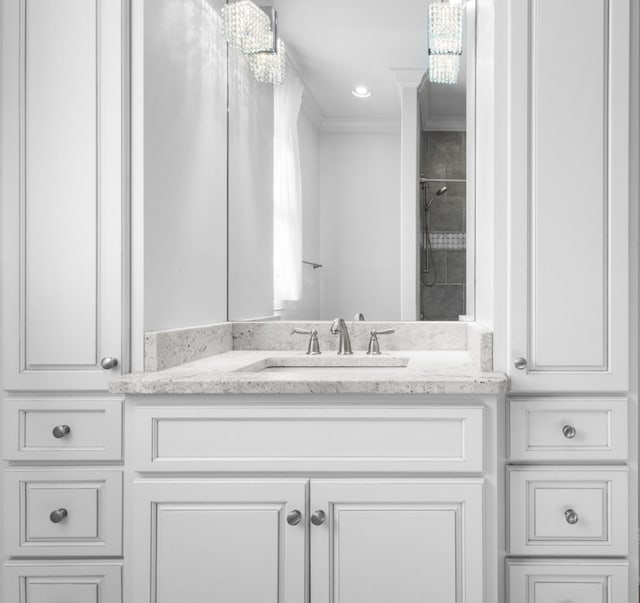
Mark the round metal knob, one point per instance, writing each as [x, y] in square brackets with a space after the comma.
[571, 516]
[58, 515]
[569, 432]
[317, 518]
[59, 431]
[520, 363]
[294, 518]
[108, 363]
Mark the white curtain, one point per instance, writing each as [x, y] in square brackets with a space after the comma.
[287, 191]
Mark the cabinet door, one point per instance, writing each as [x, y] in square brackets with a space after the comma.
[212, 540]
[62, 190]
[397, 540]
[569, 195]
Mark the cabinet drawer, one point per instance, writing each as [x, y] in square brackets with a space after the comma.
[568, 580]
[63, 581]
[568, 511]
[61, 429]
[63, 513]
[576, 429]
[435, 439]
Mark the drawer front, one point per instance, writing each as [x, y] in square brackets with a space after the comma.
[543, 429]
[62, 429]
[63, 513]
[568, 580]
[435, 439]
[69, 582]
[568, 511]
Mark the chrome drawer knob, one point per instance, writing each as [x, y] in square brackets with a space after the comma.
[58, 515]
[59, 431]
[108, 363]
[294, 518]
[571, 516]
[569, 432]
[317, 519]
[520, 363]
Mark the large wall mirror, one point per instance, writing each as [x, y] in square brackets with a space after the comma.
[337, 253]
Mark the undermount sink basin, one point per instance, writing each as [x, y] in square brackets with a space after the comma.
[331, 371]
[325, 364]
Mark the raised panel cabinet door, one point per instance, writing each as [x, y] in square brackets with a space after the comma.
[568, 195]
[63, 192]
[65, 582]
[396, 540]
[233, 541]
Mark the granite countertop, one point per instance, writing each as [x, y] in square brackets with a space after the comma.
[237, 372]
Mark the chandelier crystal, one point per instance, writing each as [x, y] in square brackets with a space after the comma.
[269, 67]
[247, 27]
[444, 68]
[445, 28]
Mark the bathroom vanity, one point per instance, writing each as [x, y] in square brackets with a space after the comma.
[491, 459]
[339, 483]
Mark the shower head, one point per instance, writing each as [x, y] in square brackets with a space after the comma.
[441, 191]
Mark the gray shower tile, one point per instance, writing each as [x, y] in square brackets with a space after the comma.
[456, 266]
[442, 302]
[448, 214]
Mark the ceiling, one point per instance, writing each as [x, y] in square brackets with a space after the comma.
[337, 45]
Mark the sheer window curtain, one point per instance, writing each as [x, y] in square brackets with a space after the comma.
[287, 192]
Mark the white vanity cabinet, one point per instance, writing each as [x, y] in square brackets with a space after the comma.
[339, 499]
[568, 195]
[64, 202]
[63, 192]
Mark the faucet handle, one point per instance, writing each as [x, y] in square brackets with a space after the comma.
[374, 345]
[314, 346]
[359, 317]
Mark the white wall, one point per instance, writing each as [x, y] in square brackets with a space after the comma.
[250, 193]
[185, 164]
[360, 224]
[308, 307]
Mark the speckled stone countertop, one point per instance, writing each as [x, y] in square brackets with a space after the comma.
[215, 366]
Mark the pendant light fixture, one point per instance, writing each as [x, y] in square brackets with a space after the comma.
[445, 41]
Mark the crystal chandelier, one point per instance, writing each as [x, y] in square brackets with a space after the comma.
[445, 41]
[248, 27]
[269, 67]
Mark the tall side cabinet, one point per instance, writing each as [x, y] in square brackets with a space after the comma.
[571, 480]
[64, 200]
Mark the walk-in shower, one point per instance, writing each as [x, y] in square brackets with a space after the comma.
[442, 211]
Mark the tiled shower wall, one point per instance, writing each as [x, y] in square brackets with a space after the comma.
[443, 156]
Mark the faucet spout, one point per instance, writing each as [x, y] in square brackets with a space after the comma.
[339, 326]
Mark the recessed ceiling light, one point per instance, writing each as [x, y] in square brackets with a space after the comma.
[361, 92]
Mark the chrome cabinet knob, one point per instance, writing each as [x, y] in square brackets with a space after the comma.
[317, 518]
[58, 515]
[571, 516]
[59, 431]
[294, 518]
[108, 363]
[569, 432]
[520, 363]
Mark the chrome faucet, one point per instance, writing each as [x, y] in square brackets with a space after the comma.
[339, 326]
